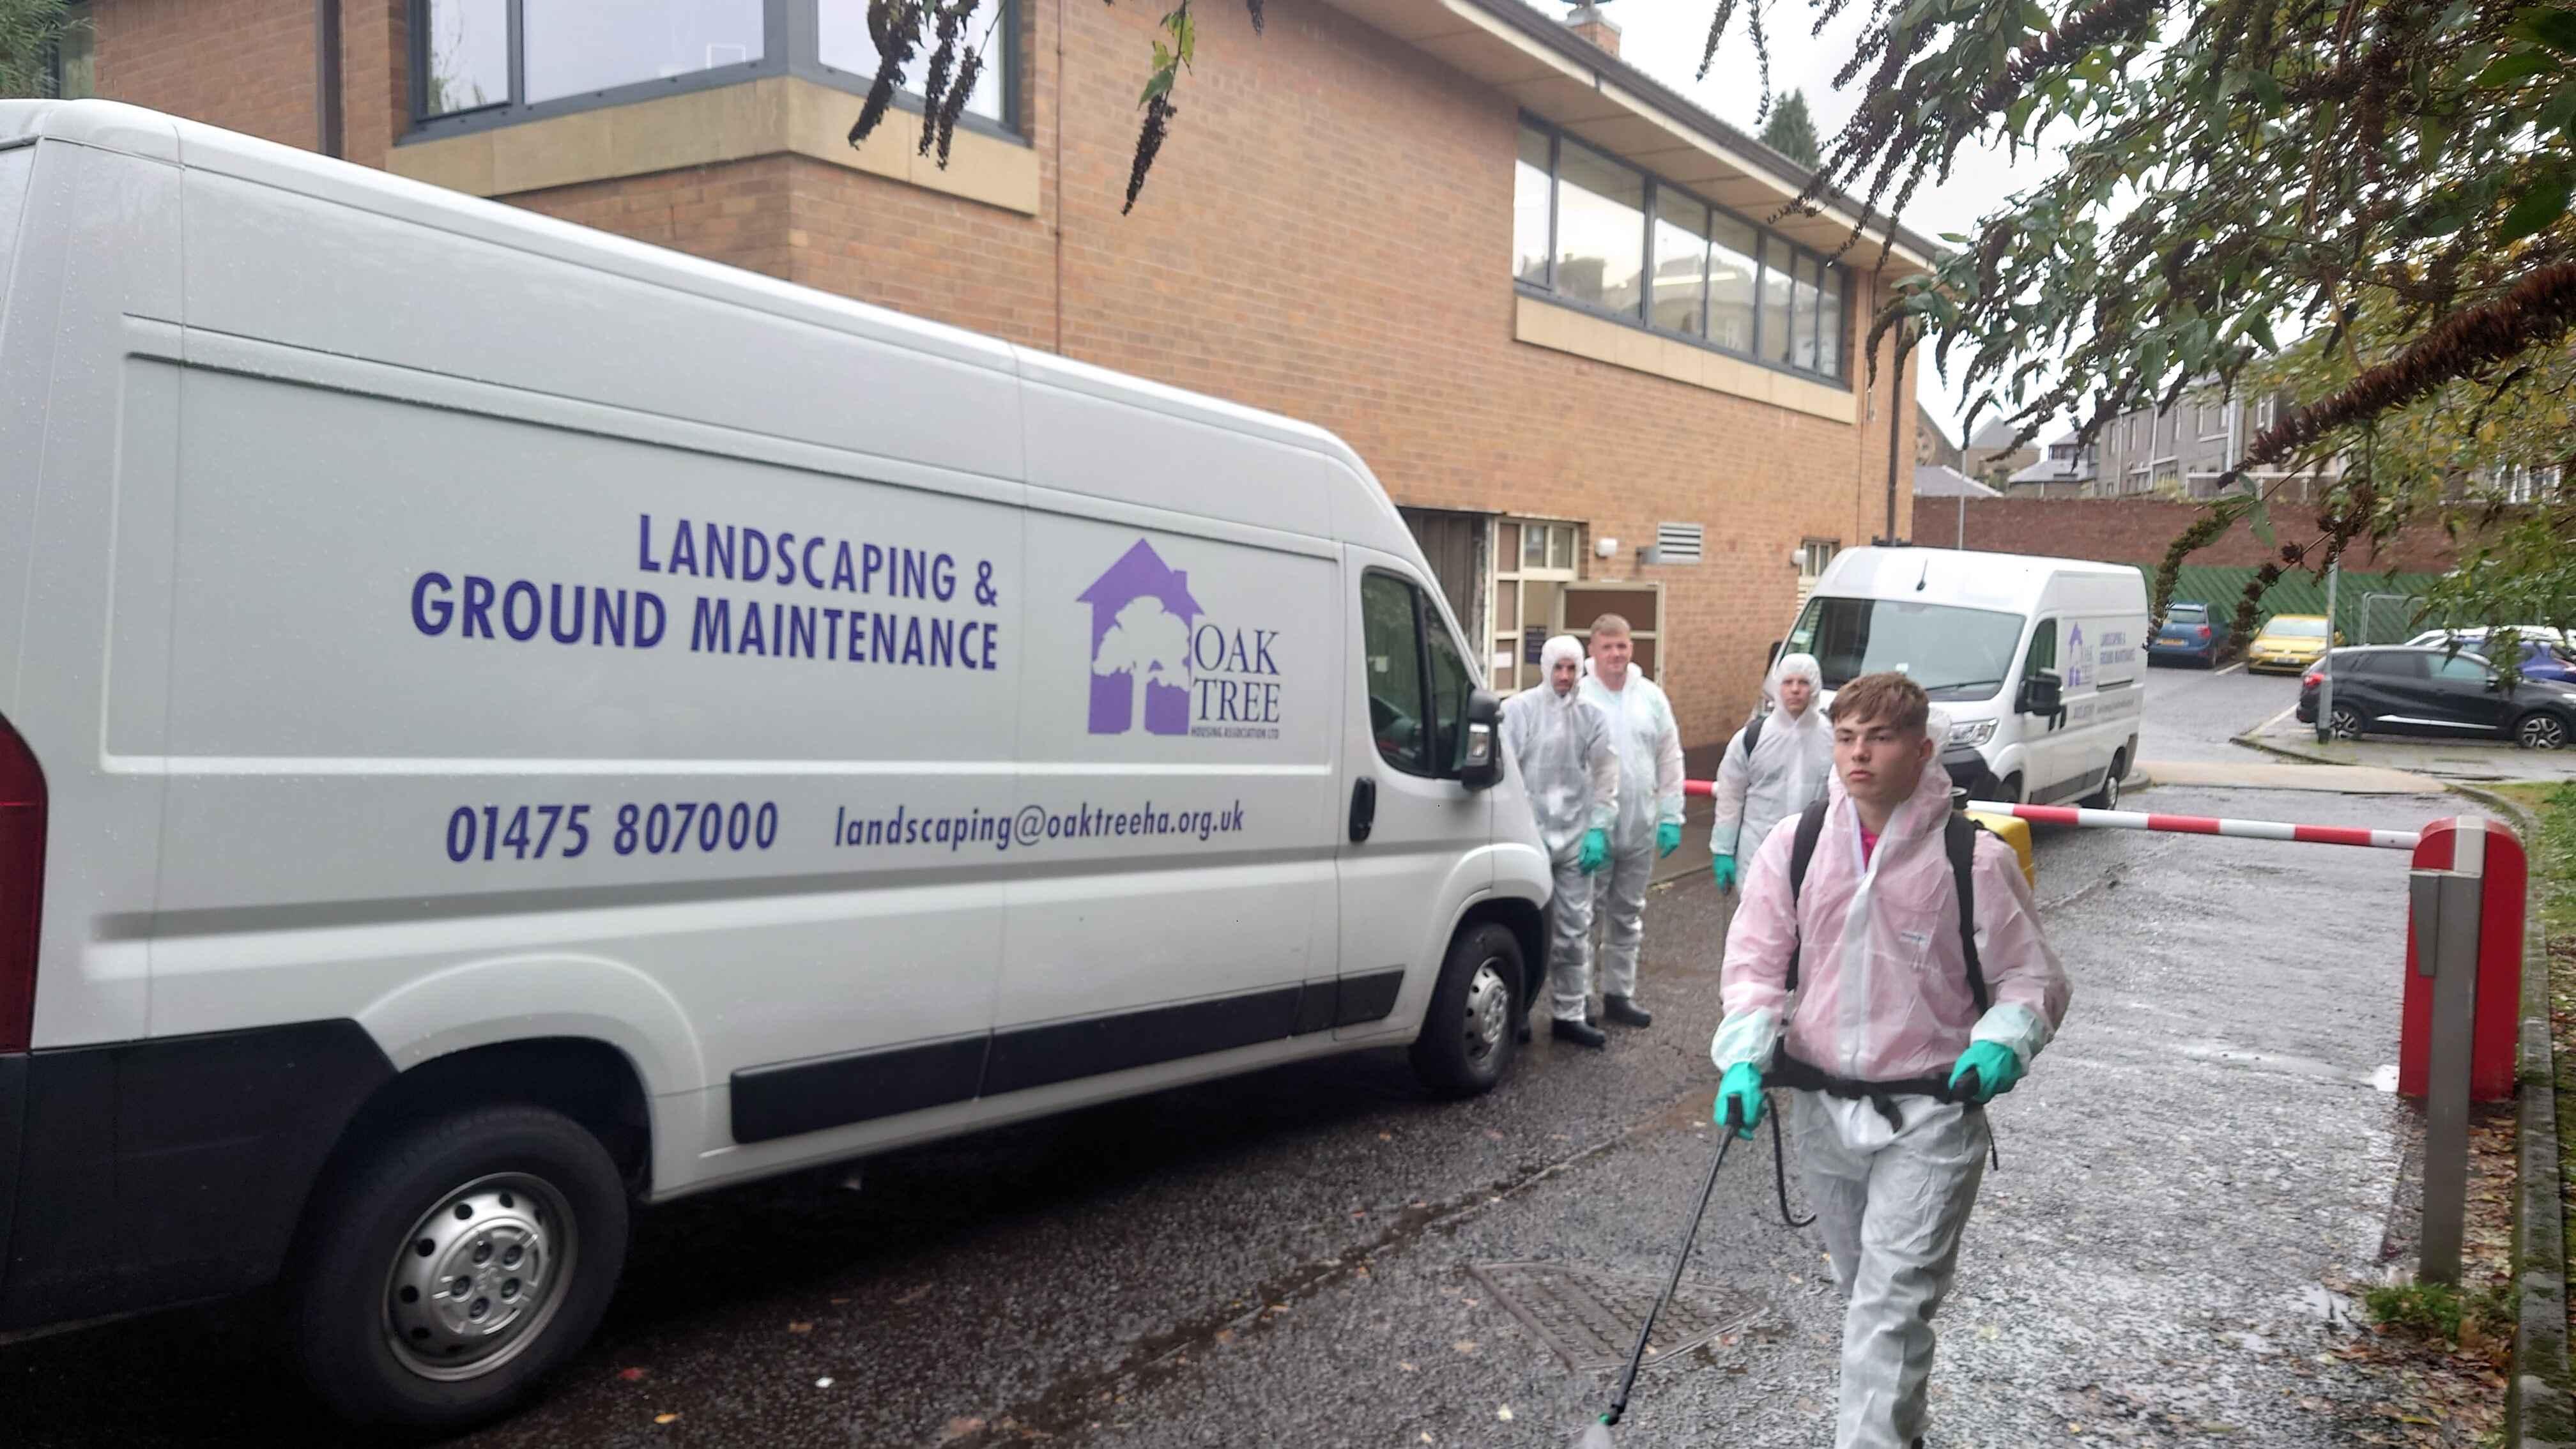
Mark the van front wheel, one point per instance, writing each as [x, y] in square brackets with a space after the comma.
[1471, 1032]
[454, 1265]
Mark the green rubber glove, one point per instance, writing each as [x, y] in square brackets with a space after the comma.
[1995, 1065]
[1742, 1085]
[1724, 869]
[1668, 838]
[1595, 853]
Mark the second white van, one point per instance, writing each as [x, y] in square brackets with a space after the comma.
[2039, 663]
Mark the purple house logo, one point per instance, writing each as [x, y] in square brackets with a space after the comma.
[1142, 616]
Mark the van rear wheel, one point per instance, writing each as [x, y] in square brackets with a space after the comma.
[2108, 797]
[450, 1268]
[1471, 1033]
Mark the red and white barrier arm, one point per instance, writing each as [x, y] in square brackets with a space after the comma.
[2201, 825]
[2175, 824]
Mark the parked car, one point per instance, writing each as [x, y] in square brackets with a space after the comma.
[2401, 690]
[2546, 654]
[2191, 632]
[2287, 643]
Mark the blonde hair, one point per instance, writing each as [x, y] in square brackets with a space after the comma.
[1609, 626]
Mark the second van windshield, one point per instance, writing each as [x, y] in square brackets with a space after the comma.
[1954, 653]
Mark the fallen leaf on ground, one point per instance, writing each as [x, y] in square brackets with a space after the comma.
[958, 1429]
[1465, 1345]
[1504, 1413]
[632, 1375]
[800, 1328]
[664, 1418]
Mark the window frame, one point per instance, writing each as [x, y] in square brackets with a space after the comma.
[790, 46]
[1435, 743]
[78, 15]
[1766, 243]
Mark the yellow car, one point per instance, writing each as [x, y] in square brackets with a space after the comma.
[2288, 644]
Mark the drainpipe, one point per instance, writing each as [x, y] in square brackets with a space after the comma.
[326, 76]
[1895, 411]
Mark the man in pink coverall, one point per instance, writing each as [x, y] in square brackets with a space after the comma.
[1892, 1045]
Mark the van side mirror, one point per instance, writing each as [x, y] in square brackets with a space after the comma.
[1480, 764]
[1774, 656]
[2040, 694]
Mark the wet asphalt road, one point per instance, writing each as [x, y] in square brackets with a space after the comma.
[1283, 1259]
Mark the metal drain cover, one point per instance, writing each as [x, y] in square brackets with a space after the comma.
[1589, 1317]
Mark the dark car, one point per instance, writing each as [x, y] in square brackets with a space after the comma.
[2399, 690]
[2191, 633]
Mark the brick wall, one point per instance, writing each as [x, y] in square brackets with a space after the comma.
[242, 64]
[1326, 234]
[2139, 530]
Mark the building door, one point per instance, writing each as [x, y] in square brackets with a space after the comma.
[1535, 563]
[1641, 604]
[1454, 544]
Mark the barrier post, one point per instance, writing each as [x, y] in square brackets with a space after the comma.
[2487, 850]
[2446, 906]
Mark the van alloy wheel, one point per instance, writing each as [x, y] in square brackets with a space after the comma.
[479, 1276]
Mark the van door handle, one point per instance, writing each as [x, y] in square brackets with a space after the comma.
[1363, 808]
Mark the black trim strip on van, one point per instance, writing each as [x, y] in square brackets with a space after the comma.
[793, 1098]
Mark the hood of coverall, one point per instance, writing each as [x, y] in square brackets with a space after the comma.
[1884, 989]
[1563, 646]
[1795, 666]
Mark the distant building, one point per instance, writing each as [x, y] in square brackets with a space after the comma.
[1932, 445]
[1934, 480]
[2067, 471]
[1992, 457]
[2182, 451]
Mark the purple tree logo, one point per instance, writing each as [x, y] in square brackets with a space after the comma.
[1141, 616]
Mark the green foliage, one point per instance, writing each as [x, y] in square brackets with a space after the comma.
[1791, 131]
[2430, 1309]
[29, 29]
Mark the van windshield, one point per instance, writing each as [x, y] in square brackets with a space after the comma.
[1954, 653]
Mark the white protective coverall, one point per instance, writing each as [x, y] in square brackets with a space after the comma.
[1570, 769]
[1787, 769]
[1650, 793]
[1883, 997]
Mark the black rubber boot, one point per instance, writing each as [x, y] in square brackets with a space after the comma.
[1579, 1034]
[1625, 1012]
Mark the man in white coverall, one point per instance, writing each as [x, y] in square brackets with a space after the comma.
[1561, 743]
[1773, 768]
[1650, 808]
[1904, 1027]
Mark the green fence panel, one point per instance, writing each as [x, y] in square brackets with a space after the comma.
[2389, 618]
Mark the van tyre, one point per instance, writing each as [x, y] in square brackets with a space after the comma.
[2108, 797]
[443, 1273]
[1468, 1038]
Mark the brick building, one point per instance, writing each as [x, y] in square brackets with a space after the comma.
[1537, 290]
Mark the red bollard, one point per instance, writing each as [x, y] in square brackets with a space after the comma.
[2495, 854]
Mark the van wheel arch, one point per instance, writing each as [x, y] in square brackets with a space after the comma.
[585, 1079]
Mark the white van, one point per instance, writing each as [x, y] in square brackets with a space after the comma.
[2038, 662]
[499, 721]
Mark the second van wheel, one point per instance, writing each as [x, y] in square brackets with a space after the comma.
[2108, 797]
[1470, 1034]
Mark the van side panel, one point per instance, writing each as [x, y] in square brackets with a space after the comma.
[96, 601]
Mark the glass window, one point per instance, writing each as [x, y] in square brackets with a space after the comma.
[1802, 305]
[1681, 262]
[1954, 653]
[465, 63]
[1600, 230]
[74, 72]
[1830, 323]
[842, 43]
[2464, 668]
[1732, 263]
[2043, 650]
[1534, 547]
[1391, 625]
[574, 47]
[1531, 199]
[1560, 547]
[1777, 287]
[1450, 683]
